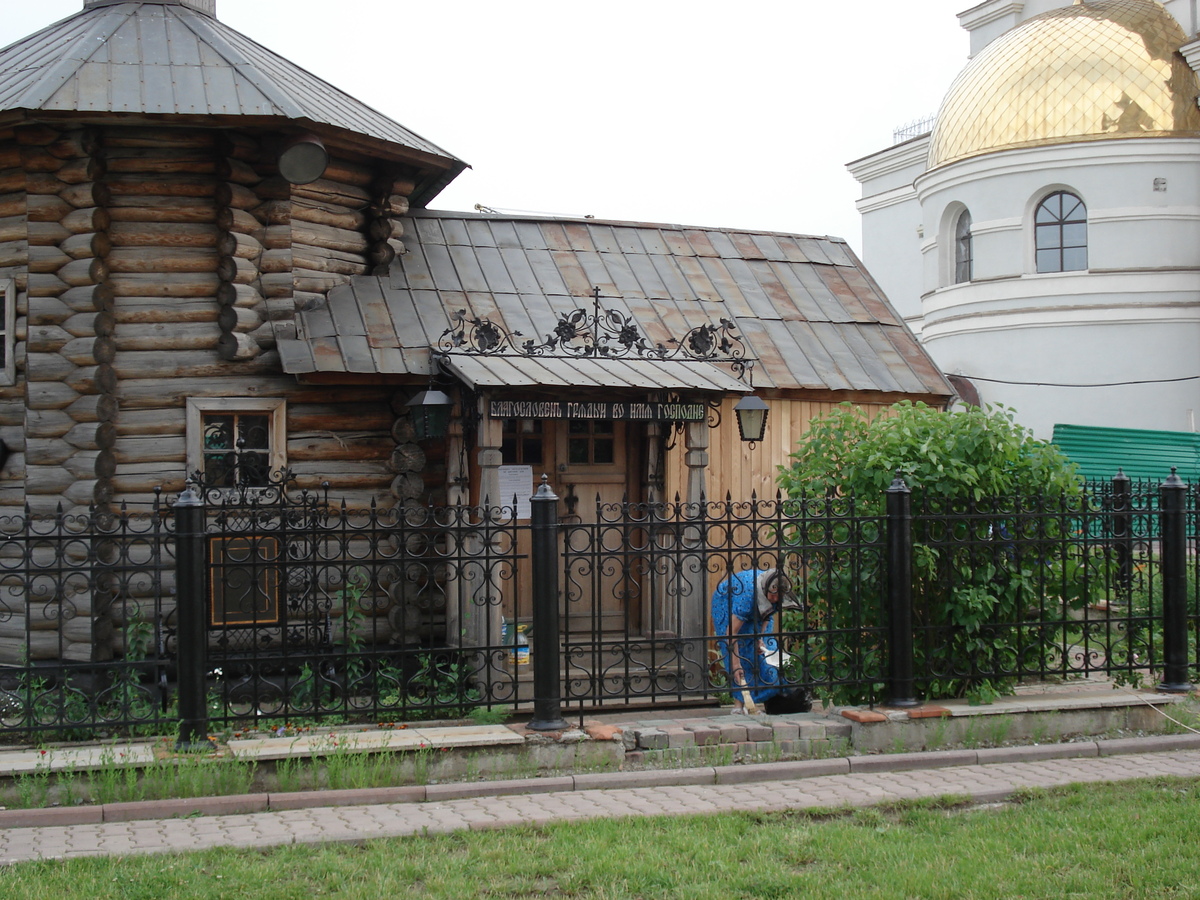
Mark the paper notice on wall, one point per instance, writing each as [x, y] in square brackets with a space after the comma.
[516, 481]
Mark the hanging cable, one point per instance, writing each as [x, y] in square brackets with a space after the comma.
[1096, 385]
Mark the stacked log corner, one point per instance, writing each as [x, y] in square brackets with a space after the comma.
[157, 264]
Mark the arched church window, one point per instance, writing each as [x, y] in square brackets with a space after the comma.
[964, 249]
[1060, 233]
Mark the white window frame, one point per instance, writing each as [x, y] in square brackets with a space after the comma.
[276, 408]
[963, 242]
[8, 372]
[1039, 201]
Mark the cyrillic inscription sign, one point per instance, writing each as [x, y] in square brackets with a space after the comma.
[567, 409]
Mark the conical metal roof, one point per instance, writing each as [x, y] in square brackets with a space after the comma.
[173, 57]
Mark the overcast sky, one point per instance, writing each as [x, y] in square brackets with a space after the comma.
[697, 112]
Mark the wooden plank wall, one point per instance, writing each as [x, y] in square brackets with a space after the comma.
[737, 469]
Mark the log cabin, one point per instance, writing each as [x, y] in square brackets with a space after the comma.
[213, 261]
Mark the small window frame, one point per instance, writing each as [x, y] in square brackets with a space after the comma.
[274, 408]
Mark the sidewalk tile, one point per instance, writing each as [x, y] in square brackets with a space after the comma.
[705, 734]
[731, 732]
[929, 711]
[652, 739]
[679, 738]
[863, 716]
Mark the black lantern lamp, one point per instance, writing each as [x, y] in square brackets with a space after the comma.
[303, 159]
[751, 414]
[431, 414]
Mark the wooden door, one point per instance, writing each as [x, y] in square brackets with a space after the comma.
[585, 459]
[602, 594]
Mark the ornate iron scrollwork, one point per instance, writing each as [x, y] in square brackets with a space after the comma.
[599, 332]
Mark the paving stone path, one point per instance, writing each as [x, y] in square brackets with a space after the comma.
[679, 792]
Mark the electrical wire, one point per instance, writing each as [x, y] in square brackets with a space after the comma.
[1096, 385]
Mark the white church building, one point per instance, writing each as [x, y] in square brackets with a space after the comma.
[1043, 239]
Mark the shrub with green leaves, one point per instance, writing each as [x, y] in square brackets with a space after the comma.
[977, 560]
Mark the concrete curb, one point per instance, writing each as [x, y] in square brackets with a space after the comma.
[736, 774]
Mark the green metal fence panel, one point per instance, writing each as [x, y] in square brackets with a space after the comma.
[1142, 455]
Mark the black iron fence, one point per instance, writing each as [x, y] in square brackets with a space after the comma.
[268, 607]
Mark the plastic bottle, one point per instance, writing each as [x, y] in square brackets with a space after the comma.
[522, 653]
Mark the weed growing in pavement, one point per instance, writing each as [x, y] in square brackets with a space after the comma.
[115, 781]
[33, 788]
[349, 769]
[941, 728]
[971, 737]
[998, 729]
[720, 755]
[1040, 730]
[112, 781]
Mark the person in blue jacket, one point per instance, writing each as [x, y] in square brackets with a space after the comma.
[747, 603]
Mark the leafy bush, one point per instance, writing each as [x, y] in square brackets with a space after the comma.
[978, 560]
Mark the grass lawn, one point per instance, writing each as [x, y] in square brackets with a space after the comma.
[1139, 839]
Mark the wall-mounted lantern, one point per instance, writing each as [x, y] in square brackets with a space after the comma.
[751, 414]
[303, 159]
[431, 414]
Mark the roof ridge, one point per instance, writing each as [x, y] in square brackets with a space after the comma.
[623, 223]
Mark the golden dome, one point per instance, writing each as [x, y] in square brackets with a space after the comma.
[1095, 70]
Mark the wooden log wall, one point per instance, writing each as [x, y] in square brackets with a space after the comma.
[157, 264]
[14, 264]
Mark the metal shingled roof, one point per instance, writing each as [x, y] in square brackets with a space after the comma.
[157, 58]
[556, 372]
[804, 306]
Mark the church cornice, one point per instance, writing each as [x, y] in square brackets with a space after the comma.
[991, 11]
[896, 158]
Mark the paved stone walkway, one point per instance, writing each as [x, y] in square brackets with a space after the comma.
[681, 792]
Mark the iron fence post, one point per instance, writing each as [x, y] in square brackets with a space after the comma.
[547, 681]
[192, 633]
[1122, 530]
[899, 580]
[1173, 499]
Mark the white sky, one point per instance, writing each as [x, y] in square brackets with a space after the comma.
[698, 112]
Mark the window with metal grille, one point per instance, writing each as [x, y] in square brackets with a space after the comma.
[236, 443]
[237, 449]
[1060, 233]
[244, 580]
[964, 249]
